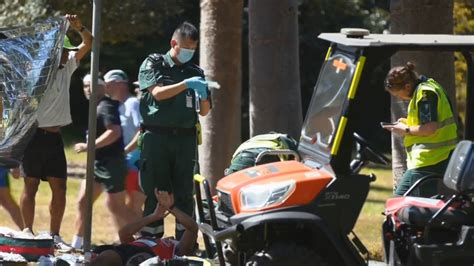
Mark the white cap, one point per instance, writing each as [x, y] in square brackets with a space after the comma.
[87, 79]
[116, 75]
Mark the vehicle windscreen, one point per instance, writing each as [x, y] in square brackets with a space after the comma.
[326, 105]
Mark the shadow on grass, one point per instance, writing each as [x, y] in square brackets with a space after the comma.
[377, 201]
[380, 188]
[379, 166]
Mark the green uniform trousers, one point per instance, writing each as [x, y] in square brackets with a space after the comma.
[167, 163]
[426, 189]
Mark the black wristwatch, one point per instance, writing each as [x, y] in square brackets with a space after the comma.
[82, 28]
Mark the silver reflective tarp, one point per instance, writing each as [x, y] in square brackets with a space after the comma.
[29, 59]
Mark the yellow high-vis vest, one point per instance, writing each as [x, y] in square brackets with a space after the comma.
[429, 150]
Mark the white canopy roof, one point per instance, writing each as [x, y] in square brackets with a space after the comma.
[403, 40]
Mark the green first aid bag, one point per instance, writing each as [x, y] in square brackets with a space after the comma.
[246, 154]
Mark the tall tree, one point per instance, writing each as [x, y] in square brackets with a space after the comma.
[422, 17]
[275, 97]
[463, 24]
[221, 59]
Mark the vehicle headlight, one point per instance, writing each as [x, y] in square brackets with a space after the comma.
[259, 196]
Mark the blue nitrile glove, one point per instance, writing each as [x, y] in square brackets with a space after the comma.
[199, 85]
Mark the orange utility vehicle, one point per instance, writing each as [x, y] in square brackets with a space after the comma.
[303, 212]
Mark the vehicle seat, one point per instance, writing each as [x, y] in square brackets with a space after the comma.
[419, 216]
[458, 178]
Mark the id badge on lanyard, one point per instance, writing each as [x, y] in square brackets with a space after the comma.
[189, 100]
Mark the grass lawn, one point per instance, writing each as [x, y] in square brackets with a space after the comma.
[369, 224]
[103, 231]
[368, 227]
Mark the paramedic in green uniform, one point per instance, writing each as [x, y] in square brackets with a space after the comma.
[174, 92]
[429, 130]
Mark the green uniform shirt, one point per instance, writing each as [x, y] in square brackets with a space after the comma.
[178, 111]
[427, 108]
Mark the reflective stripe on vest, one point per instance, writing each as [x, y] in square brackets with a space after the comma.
[429, 150]
[427, 146]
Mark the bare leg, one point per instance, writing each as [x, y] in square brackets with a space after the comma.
[135, 202]
[81, 205]
[115, 202]
[11, 206]
[27, 202]
[57, 204]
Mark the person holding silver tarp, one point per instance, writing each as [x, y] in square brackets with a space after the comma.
[44, 157]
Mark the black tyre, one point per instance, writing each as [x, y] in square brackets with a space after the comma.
[286, 254]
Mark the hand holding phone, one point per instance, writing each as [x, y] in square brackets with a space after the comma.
[382, 124]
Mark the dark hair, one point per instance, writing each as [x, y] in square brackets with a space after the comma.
[186, 30]
[401, 75]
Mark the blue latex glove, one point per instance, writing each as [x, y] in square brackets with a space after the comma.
[199, 85]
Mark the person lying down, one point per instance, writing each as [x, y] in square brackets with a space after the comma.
[133, 251]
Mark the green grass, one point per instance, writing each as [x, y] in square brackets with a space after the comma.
[102, 224]
[74, 157]
[369, 224]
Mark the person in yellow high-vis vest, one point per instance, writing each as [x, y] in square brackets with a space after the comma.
[429, 130]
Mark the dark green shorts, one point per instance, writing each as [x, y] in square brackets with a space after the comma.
[110, 172]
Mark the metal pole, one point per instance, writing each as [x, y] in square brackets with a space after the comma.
[96, 20]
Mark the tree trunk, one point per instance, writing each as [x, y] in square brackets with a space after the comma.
[428, 17]
[275, 97]
[220, 57]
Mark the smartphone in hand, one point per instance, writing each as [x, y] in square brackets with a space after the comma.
[382, 124]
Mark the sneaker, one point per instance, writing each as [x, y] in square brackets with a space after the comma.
[60, 245]
[27, 233]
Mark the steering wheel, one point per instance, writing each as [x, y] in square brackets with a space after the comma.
[368, 153]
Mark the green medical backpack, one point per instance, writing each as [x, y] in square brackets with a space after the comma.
[246, 154]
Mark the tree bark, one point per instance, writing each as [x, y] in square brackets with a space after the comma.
[275, 97]
[221, 59]
[420, 17]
